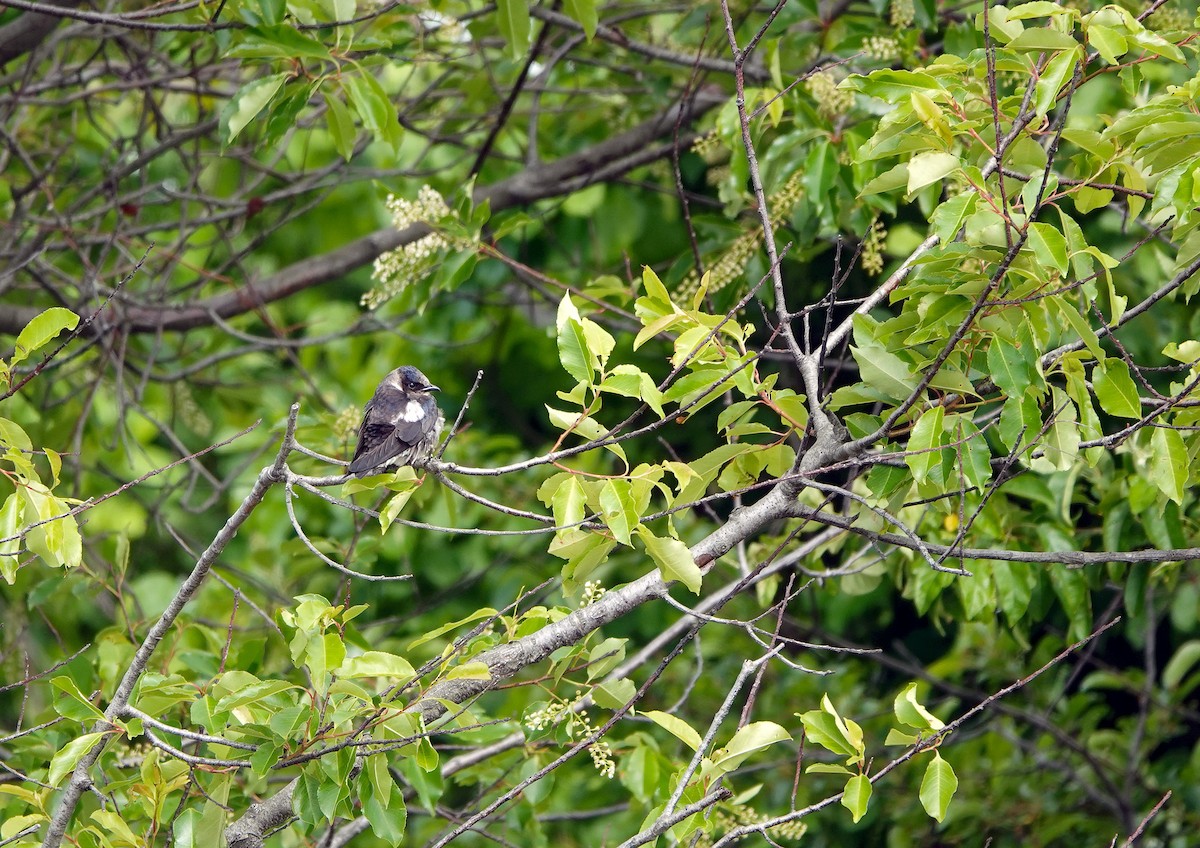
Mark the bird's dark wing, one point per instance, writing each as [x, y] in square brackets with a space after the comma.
[376, 442]
[416, 419]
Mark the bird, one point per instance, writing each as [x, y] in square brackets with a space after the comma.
[401, 423]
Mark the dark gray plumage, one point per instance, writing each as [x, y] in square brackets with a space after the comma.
[401, 423]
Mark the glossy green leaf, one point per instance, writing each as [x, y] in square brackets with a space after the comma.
[584, 13]
[514, 21]
[856, 796]
[911, 712]
[927, 168]
[40, 330]
[677, 727]
[1184, 659]
[923, 453]
[1115, 389]
[1169, 462]
[618, 509]
[673, 559]
[938, 787]
[249, 101]
[64, 762]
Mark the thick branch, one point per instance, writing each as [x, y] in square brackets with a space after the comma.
[28, 31]
[607, 160]
[504, 661]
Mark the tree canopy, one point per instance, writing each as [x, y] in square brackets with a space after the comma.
[821, 387]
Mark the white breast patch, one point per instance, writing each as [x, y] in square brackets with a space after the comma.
[412, 411]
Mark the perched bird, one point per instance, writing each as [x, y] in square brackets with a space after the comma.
[401, 423]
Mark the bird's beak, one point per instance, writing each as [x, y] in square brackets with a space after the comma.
[432, 389]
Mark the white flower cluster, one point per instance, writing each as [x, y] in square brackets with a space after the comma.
[602, 759]
[592, 592]
[881, 48]
[709, 148]
[732, 263]
[902, 13]
[345, 426]
[832, 102]
[872, 252]
[727, 818]
[578, 725]
[547, 716]
[395, 269]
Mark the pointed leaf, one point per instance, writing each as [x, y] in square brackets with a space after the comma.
[1115, 389]
[673, 559]
[42, 329]
[937, 787]
[677, 727]
[856, 796]
[1169, 462]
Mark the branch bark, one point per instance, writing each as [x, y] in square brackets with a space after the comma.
[505, 661]
[607, 160]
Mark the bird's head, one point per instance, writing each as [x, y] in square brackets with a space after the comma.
[411, 380]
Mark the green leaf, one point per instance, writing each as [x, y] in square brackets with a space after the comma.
[677, 727]
[514, 24]
[828, 729]
[116, 830]
[938, 787]
[377, 664]
[618, 509]
[922, 455]
[974, 455]
[614, 694]
[753, 737]
[382, 804]
[485, 612]
[948, 218]
[605, 656]
[1079, 323]
[856, 796]
[573, 351]
[929, 167]
[654, 286]
[340, 124]
[1109, 43]
[909, 710]
[894, 86]
[374, 107]
[283, 41]
[1049, 246]
[1037, 9]
[474, 670]
[14, 506]
[76, 706]
[42, 329]
[254, 693]
[1115, 389]
[673, 559]
[883, 370]
[1072, 590]
[1181, 662]
[1043, 39]
[1060, 447]
[583, 12]
[1058, 70]
[898, 737]
[246, 104]
[1169, 462]
[64, 762]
